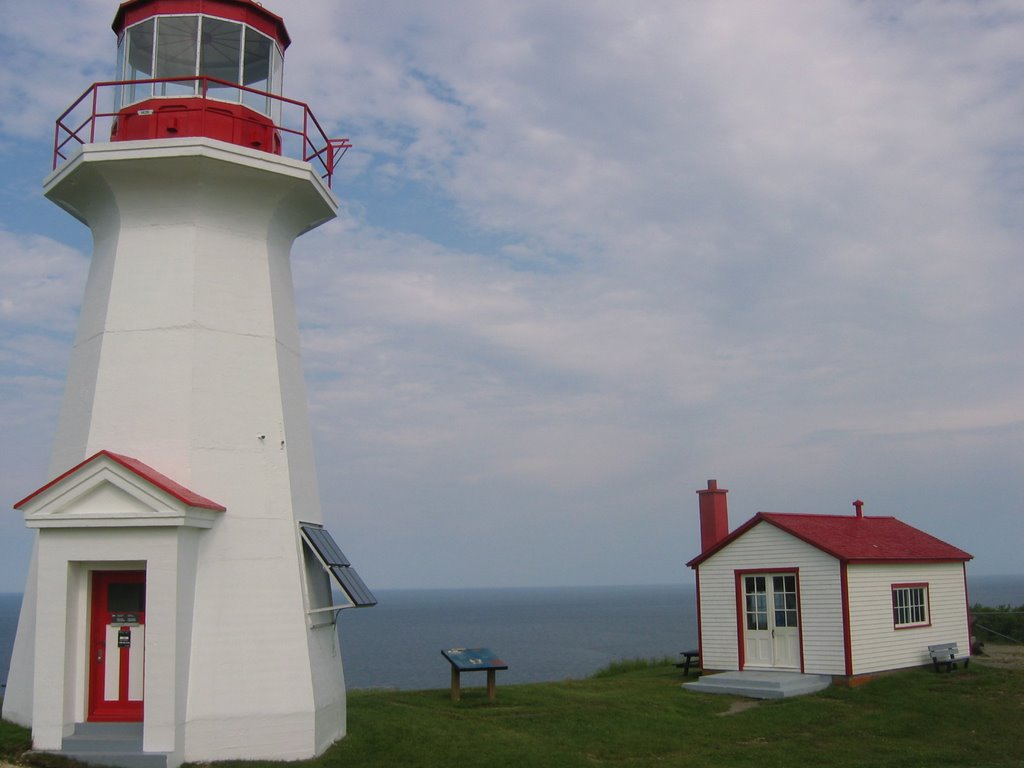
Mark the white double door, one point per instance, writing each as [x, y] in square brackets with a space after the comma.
[771, 629]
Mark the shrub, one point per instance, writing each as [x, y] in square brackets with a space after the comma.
[1001, 624]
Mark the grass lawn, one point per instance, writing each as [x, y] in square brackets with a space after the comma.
[638, 715]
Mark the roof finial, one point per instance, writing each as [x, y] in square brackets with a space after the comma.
[860, 507]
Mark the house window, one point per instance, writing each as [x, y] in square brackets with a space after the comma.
[909, 605]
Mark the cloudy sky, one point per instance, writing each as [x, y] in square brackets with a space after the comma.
[591, 254]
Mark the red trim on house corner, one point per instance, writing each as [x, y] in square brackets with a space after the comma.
[700, 632]
[844, 581]
[967, 600]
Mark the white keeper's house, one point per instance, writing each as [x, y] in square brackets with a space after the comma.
[845, 596]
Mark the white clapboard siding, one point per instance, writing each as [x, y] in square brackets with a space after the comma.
[766, 548]
[875, 643]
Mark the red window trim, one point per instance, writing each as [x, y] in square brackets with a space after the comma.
[927, 604]
[700, 628]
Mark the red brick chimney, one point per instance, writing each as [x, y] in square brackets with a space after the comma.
[714, 515]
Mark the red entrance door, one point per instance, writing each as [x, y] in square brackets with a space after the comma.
[117, 641]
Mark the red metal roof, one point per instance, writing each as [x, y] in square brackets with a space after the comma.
[851, 538]
[146, 472]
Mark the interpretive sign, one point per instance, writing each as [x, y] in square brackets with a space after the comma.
[473, 660]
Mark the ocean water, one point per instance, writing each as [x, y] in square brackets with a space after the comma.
[996, 590]
[9, 607]
[542, 633]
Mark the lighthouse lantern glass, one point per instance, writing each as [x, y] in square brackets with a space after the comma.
[176, 40]
[220, 56]
[257, 70]
[191, 46]
[138, 61]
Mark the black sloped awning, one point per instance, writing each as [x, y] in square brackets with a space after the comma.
[334, 562]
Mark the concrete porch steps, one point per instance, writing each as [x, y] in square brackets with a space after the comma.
[113, 744]
[758, 684]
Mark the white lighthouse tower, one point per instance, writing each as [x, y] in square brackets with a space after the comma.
[179, 603]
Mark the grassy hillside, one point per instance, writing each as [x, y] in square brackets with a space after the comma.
[637, 715]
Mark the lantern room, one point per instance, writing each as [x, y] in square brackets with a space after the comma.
[199, 68]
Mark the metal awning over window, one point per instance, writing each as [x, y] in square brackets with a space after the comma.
[334, 562]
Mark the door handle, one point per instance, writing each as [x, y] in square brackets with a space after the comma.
[99, 654]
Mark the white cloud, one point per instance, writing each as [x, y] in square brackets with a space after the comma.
[53, 52]
[41, 283]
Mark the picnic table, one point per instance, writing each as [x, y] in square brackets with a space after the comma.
[473, 660]
[688, 657]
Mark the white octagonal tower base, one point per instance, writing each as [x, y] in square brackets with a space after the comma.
[187, 359]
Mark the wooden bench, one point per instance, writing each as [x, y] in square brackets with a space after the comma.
[688, 657]
[948, 654]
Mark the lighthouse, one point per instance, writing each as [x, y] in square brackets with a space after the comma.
[183, 592]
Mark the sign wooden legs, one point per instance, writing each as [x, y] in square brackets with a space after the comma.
[456, 691]
[492, 687]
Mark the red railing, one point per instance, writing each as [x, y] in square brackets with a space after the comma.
[301, 134]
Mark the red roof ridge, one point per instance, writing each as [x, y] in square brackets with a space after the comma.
[766, 515]
[141, 469]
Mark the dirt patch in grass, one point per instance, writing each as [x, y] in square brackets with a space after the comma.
[741, 705]
[1002, 656]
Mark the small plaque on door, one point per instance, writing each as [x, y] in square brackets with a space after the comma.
[124, 618]
[124, 637]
